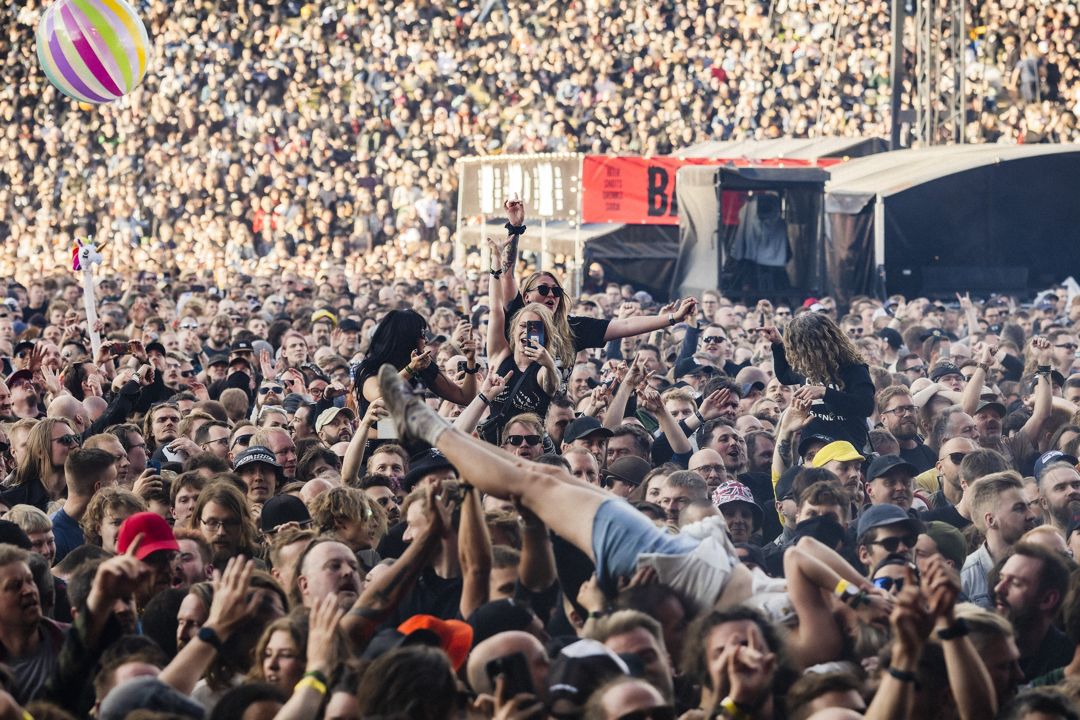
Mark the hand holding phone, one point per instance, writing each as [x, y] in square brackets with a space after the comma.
[534, 333]
[514, 668]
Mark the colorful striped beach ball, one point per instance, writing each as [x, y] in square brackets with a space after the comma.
[94, 51]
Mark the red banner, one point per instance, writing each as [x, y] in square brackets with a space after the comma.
[641, 191]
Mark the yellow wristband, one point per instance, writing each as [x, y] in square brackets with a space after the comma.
[732, 710]
[26, 715]
[841, 586]
[313, 683]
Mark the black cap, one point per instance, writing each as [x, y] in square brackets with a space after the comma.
[498, 616]
[257, 454]
[217, 359]
[804, 443]
[687, 366]
[629, 469]
[583, 427]
[241, 346]
[282, 509]
[348, 325]
[885, 463]
[892, 337]
[155, 346]
[785, 486]
[991, 405]
[944, 369]
[22, 345]
[423, 464]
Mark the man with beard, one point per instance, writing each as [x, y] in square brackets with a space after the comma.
[720, 435]
[326, 567]
[1031, 587]
[24, 396]
[1059, 489]
[335, 425]
[221, 514]
[1001, 514]
[948, 504]
[899, 415]
[891, 481]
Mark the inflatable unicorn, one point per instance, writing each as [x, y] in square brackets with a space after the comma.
[84, 256]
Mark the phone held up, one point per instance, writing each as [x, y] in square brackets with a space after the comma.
[534, 333]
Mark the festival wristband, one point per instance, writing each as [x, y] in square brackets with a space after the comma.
[311, 682]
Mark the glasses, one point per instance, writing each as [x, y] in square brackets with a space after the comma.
[517, 440]
[957, 457]
[187, 373]
[892, 544]
[546, 290]
[889, 584]
[1067, 346]
[215, 442]
[68, 440]
[921, 369]
[714, 339]
[661, 712]
[899, 411]
[214, 524]
[189, 326]
[242, 439]
[858, 331]
[265, 389]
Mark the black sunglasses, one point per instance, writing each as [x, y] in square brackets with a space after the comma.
[892, 544]
[957, 457]
[517, 440]
[187, 373]
[68, 440]
[888, 584]
[242, 439]
[714, 339]
[662, 712]
[546, 290]
[270, 388]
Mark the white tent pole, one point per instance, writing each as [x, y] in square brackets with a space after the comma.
[879, 233]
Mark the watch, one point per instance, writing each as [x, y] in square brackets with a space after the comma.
[208, 636]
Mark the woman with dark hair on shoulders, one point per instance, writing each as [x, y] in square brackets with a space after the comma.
[399, 340]
[816, 354]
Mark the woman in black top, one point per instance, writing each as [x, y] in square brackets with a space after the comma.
[816, 354]
[399, 340]
[544, 288]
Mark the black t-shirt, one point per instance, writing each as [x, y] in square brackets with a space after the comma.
[948, 514]
[1056, 650]
[588, 332]
[432, 595]
[921, 456]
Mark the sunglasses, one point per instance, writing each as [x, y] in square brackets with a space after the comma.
[187, 373]
[892, 544]
[242, 439]
[265, 389]
[546, 290]
[189, 326]
[916, 368]
[68, 440]
[1067, 346]
[889, 584]
[662, 712]
[957, 457]
[717, 339]
[517, 440]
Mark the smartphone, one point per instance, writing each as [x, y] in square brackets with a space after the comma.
[386, 430]
[118, 349]
[761, 319]
[534, 332]
[462, 366]
[515, 671]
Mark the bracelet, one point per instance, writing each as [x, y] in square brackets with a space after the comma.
[983, 366]
[670, 319]
[483, 398]
[732, 709]
[473, 370]
[515, 229]
[496, 273]
[841, 586]
[210, 637]
[597, 614]
[958, 629]
[699, 416]
[308, 681]
[318, 676]
[903, 676]
[409, 370]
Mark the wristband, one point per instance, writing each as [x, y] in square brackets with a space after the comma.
[308, 681]
[841, 587]
[409, 370]
[211, 638]
[903, 676]
[699, 416]
[496, 273]
[473, 370]
[958, 629]
[732, 709]
[515, 229]
[318, 676]
[483, 398]
[670, 319]
[983, 366]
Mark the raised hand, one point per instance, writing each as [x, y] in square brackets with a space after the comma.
[515, 210]
[116, 578]
[770, 333]
[713, 402]
[687, 307]
[1043, 350]
[810, 392]
[147, 484]
[419, 361]
[494, 383]
[322, 634]
[375, 412]
[749, 669]
[231, 604]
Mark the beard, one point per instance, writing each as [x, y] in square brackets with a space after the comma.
[1065, 514]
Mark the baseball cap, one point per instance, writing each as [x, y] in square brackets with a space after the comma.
[944, 369]
[991, 405]
[687, 366]
[583, 427]
[257, 454]
[629, 469]
[892, 337]
[840, 450]
[1049, 458]
[217, 359]
[324, 315]
[282, 509]
[579, 669]
[877, 516]
[950, 541]
[157, 535]
[733, 491]
[22, 345]
[328, 416]
[806, 442]
[424, 464]
[155, 346]
[785, 486]
[498, 616]
[20, 376]
[151, 694]
[241, 346]
[455, 636]
[348, 325]
[885, 463]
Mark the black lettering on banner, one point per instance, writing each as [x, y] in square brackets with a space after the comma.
[657, 191]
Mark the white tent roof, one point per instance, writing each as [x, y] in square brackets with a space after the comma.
[792, 148]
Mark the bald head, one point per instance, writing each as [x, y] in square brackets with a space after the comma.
[68, 408]
[836, 714]
[709, 464]
[501, 645]
[95, 407]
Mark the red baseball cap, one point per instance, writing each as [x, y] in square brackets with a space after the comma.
[157, 535]
[455, 636]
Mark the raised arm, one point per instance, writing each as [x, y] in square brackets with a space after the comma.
[910, 625]
[628, 327]
[474, 553]
[515, 214]
[1042, 405]
[353, 461]
[613, 416]
[496, 334]
[649, 399]
[794, 419]
[492, 385]
[307, 696]
[536, 569]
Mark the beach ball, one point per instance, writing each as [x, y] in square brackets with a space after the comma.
[93, 51]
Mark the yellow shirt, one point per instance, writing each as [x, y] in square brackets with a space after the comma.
[928, 481]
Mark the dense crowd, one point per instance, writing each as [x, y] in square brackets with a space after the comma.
[372, 496]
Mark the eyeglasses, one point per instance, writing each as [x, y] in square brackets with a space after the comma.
[546, 290]
[714, 339]
[530, 440]
[889, 584]
[68, 440]
[1068, 346]
[215, 442]
[242, 439]
[921, 369]
[661, 712]
[892, 544]
[270, 389]
[957, 457]
[855, 331]
[902, 410]
[214, 524]
[189, 326]
[187, 373]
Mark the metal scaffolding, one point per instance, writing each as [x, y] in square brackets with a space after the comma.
[940, 71]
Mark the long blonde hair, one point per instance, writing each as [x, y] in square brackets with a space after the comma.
[562, 313]
[562, 351]
[817, 348]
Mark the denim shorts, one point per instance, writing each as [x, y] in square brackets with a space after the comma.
[621, 533]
